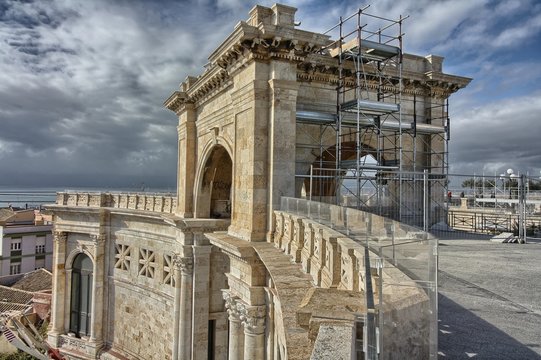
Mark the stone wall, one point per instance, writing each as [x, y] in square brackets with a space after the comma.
[138, 257]
[140, 323]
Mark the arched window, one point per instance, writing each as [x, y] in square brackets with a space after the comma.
[81, 295]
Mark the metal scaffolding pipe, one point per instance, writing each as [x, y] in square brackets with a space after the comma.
[316, 117]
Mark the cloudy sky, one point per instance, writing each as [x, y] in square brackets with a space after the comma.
[82, 82]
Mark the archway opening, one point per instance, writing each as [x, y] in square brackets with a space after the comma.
[327, 181]
[214, 195]
[81, 295]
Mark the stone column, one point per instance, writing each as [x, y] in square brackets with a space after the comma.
[59, 283]
[176, 309]
[186, 160]
[236, 335]
[253, 320]
[185, 325]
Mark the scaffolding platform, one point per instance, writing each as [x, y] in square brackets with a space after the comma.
[369, 50]
[376, 108]
[351, 121]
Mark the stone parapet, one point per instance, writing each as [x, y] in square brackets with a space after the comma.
[162, 203]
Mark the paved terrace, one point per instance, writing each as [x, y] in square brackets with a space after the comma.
[489, 299]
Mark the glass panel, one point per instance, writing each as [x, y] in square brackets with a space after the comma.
[402, 266]
[75, 290]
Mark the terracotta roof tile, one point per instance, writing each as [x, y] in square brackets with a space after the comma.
[14, 296]
[34, 281]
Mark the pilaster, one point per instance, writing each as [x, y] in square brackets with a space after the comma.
[185, 323]
[282, 135]
[177, 274]
[96, 327]
[186, 160]
[250, 101]
[59, 284]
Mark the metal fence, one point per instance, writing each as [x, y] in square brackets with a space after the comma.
[459, 205]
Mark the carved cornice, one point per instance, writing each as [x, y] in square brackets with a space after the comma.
[176, 102]
[324, 69]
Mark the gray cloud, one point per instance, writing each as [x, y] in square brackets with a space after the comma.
[82, 82]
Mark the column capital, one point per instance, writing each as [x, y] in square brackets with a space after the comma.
[231, 305]
[60, 236]
[183, 264]
[253, 319]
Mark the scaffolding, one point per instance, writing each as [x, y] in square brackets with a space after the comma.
[382, 138]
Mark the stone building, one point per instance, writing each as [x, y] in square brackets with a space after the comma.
[222, 271]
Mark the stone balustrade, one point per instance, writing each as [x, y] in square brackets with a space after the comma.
[163, 203]
[334, 259]
[330, 244]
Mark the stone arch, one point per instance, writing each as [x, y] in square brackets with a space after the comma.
[71, 257]
[214, 180]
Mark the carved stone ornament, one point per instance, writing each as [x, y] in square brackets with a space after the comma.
[60, 236]
[253, 319]
[97, 238]
[231, 306]
[184, 264]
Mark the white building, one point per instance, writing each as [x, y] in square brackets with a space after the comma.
[27, 243]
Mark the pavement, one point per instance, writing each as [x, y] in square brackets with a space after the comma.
[489, 299]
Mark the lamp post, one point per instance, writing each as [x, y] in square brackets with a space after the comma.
[502, 178]
[510, 174]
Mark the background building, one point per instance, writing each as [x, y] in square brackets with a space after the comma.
[27, 242]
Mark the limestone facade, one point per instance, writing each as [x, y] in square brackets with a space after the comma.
[220, 271]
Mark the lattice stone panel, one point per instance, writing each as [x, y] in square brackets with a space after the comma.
[123, 257]
[168, 277]
[147, 263]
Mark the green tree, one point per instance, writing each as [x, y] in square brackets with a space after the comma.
[19, 355]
